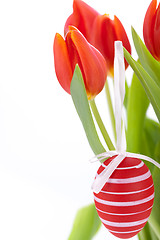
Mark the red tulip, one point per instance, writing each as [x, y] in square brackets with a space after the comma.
[151, 29]
[104, 32]
[76, 49]
[82, 18]
[99, 30]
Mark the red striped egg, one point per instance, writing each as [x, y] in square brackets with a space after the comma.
[125, 202]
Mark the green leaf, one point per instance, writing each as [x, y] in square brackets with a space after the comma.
[153, 130]
[147, 150]
[152, 133]
[153, 235]
[145, 233]
[79, 97]
[151, 141]
[151, 88]
[149, 63]
[86, 224]
[157, 152]
[154, 219]
[136, 110]
[126, 94]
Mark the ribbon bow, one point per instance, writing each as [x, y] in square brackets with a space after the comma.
[119, 92]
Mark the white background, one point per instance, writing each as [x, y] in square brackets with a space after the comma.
[45, 175]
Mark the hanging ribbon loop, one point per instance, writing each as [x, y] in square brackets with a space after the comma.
[119, 94]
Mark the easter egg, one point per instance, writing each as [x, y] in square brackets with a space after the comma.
[125, 202]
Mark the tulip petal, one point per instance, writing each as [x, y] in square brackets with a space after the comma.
[62, 63]
[157, 32]
[104, 35]
[122, 36]
[87, 16]
[148, 27]
[72, 50]
[82, 18]
[71, 20]
[93, 64]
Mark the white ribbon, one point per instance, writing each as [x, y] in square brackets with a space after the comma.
[119, 92]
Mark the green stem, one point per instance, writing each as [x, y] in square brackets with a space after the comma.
[110, 106]
[101, 125]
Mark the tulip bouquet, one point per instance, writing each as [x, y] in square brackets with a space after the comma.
[84, 61]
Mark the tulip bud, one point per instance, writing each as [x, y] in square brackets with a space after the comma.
[105, 32]
[82, 18]
[151, 29]
[99, 30]
[75, 49]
